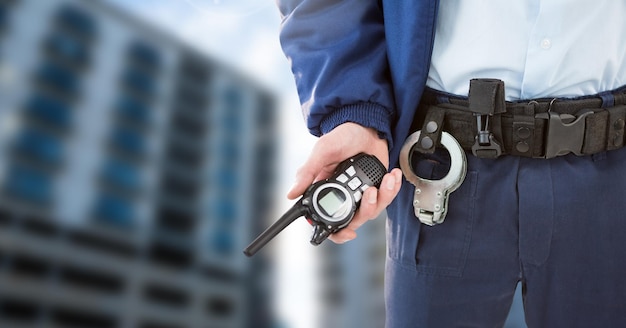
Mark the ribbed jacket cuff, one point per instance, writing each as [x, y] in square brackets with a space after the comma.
[367, 114]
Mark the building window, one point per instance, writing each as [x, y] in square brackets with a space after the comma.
[222, 242]
[227, 179]
[39, 147]
[20, 310]
[229, 151]
[133, 110]
[185, 156]
[139, 82]
[194, 71]
[65, 316]
[175, 219]
[67, 48]
[145, 55]
[167, 295]
[121, 174]
[128, 141]
[180, 187]
[29, 184]
[58, 79]
[226, 210]
[188, 124]
[114, 210]
[49, 111]
[5, 7]
[265, 114]
[170, 251]
[232, 122]
[77, 21]
[91, 279]
[190, 95]
[233, 99]
[4, 16]
[220, 307]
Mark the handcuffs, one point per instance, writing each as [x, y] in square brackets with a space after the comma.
[430, 199]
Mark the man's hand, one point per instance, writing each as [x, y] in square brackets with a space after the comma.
[342, 142]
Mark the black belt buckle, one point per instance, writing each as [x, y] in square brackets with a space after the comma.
[485, 145]
[565, 133]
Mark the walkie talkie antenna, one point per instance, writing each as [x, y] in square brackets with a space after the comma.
[296, 211]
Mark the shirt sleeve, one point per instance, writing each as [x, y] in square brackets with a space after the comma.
[337, 52]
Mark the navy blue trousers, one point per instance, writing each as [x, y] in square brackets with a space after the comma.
[557, 225]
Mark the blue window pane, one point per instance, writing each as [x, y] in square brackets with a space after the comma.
[145, 54]
[233, 99]
[129, 141]
[187, 123]
[222, 241]
[122, 174]
[139, 82]
[194, 71]
[49, 110]
[39, 146]
[29, 184]
[266, 113]
[77, 20]
[3, 16]
[133, 110]
[114, 210]
[232, 121]
[58, 78]
[230, 151]
[226, 210]
[192, 96]
[227, 179]
[68, 47]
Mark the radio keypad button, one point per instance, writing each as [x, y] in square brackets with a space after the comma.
[354, 183]
[342, 178]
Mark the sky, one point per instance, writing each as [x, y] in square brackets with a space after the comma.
[243, 34]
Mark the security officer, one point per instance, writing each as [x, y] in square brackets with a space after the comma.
[541, 123]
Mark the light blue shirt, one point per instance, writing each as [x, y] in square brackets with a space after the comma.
[539, 48]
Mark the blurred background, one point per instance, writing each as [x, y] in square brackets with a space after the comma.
[143, 145]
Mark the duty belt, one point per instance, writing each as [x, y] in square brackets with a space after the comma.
[488, 126]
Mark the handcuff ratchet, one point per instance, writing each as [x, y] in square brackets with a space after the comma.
[430, 199]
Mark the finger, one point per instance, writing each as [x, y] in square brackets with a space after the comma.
[302, 181]
[373, 203]
[389, 188]
[376, 200]
[317, 167]
[344, 235]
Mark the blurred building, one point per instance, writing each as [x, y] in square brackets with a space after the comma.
[351, 280]
[133, 172]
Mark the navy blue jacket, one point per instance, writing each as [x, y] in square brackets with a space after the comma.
[361, 61]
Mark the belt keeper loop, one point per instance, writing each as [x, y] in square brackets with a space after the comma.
[620, 98]
[523, 133]
[608, 99]
[432, 128]
[615, 128]
[486, 99]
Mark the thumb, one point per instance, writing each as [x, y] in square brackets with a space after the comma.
[302, 182]
[306, 175]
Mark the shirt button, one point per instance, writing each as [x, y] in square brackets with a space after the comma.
[546, 44]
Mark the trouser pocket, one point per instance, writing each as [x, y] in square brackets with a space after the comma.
[442, 249]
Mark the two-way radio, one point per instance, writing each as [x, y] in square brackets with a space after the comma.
[329, 205]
